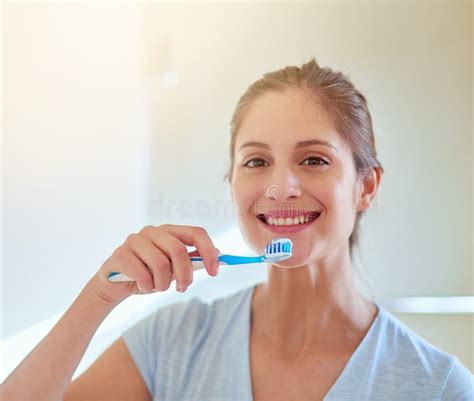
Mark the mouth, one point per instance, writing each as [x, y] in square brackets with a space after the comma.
[289, 224]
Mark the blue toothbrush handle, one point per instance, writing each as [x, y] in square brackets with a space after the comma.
[239, 260]
[231, 259]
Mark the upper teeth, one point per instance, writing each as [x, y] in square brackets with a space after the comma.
[289, 221]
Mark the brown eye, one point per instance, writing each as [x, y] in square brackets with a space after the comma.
[317, 161]
[259, 164]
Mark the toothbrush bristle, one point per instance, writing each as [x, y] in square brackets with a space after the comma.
[279, 249]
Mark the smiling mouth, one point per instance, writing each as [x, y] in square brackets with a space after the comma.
[304, 218]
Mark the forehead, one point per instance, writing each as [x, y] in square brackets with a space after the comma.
[283, 118]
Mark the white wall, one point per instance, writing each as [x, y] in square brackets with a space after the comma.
[74, 149]
[95, 144]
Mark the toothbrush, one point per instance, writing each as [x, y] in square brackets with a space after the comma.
[278, 249]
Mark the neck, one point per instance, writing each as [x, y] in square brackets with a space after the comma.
[312, 308]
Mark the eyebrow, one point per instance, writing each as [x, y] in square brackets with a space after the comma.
[298, 145]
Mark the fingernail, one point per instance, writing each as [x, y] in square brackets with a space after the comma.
[215, 267]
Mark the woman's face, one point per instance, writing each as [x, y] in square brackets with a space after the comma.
[278, 172]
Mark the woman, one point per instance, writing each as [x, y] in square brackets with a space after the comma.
[303, 166]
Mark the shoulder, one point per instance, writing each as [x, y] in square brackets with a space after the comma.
[459, 384]
[408, 347]
[413, 361]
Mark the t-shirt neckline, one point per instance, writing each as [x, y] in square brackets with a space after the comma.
[373, 330]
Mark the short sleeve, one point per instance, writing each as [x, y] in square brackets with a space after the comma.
[143, 342]
[459, 383]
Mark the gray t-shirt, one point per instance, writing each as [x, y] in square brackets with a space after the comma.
[196, 351]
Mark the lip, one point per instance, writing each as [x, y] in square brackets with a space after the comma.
[289, 229]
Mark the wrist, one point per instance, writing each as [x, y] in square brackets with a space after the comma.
[92, 291]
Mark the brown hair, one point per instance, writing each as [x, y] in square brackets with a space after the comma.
[345, 105]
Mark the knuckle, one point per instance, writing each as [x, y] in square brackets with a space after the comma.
[163, 263]
[199, 231]
[120, 252]
[178, 250]
[147, 229]
[162, 266]
[131, 237]
[126, 259]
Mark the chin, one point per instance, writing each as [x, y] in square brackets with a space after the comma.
[292, 263]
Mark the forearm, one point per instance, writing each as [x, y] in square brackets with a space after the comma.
[46, 372]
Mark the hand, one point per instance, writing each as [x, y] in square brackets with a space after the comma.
[153, 258]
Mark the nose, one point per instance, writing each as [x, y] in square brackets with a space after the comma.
[284, 185]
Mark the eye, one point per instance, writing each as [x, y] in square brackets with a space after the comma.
[319, 161]
[256, 159]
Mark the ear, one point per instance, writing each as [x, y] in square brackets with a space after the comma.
[367, 188]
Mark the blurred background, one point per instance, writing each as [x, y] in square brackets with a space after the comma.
[116, 116]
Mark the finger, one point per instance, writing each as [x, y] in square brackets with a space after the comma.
[154, 259]
[198, 237]
[177, 252]
[133, 267]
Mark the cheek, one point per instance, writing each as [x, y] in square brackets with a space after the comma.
[244, 196]
[335, 189]
[341, 197]
[324, 192]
